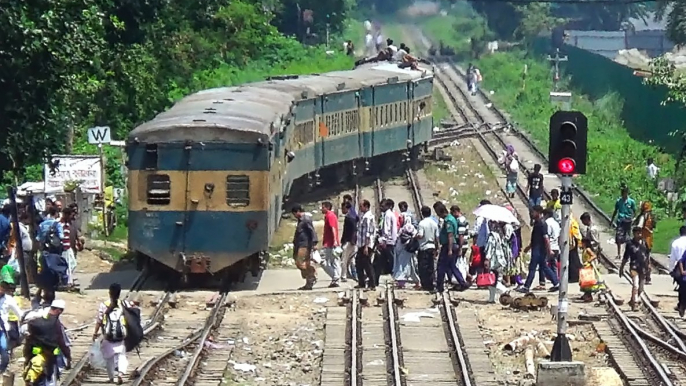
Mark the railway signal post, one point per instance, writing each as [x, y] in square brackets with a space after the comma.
[566, 157]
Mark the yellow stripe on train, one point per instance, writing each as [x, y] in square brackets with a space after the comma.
[211, 191]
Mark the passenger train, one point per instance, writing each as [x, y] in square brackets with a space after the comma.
[208, 177]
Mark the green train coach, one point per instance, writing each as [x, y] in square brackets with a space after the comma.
[208, 177]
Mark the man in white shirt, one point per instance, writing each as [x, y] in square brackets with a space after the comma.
[391, 47]
[7, 304]
[369, 46]
[427, 234]
[652, 169]
[383, 263]
[554, 231]
[678, 248]
[366, 231]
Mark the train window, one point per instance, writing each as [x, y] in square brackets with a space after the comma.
[150, 157]
[238, 190]
[396, 117]
[158, 189]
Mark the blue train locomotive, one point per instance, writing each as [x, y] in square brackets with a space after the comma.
[207, 178]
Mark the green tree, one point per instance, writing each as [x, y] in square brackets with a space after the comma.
[67, 65]
[535, 19]
[601, 17]
[674, 12]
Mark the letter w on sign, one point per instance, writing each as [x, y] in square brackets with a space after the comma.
[99, 134]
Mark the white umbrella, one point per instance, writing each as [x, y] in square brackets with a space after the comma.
[496, 213]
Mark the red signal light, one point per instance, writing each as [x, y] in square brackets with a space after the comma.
[566, 166]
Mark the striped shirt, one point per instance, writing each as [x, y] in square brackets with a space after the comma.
[66, 236]
[366, 231]
[462, 226]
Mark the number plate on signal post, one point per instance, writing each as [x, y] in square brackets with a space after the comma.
[566, 198]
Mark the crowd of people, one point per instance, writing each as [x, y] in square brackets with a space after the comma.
[49, 257]
[439, 245]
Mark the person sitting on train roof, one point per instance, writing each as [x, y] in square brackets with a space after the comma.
[400, 53]
[392, 48]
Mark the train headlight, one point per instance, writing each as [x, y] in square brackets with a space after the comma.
[290, 156]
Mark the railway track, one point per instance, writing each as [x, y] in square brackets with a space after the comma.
[381, 348]
[81, 339]
[658, 356]
[175, 344]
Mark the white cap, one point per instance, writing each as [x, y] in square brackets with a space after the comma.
[58, 303]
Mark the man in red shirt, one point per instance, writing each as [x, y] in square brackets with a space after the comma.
[332, 265]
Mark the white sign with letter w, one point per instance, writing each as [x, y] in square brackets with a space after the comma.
[99, 134]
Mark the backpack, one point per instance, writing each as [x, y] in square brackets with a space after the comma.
[44, 332]
[114, 327]
[134, 328]
[52, 242]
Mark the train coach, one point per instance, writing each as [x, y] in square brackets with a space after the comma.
[207, 178]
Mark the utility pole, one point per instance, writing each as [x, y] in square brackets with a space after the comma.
[557, 59]
[14, 213]
[559, 97]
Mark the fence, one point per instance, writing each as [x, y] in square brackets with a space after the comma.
[643, 115]
[607, 43]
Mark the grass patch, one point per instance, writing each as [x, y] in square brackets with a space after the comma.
[111, 253]
[440, 108]
[614, 157]
[466, 179]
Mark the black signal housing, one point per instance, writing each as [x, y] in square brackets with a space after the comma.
[567, 151]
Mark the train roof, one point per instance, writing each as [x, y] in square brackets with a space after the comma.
[235, 113]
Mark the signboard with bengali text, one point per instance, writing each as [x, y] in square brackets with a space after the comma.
[80, 168]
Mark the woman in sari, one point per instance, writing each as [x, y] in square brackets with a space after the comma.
[574, 246]
[513, 244]
[590, 261]
[403, 265]
[498, 256]
[509, 162]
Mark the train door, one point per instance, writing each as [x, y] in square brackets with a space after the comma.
[320, 133]
[411, 113]
[184, 226]
[367, 119]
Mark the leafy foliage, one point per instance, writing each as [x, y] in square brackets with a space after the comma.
[522, 21]
[67, 65]
[384, 7]
[675, 14]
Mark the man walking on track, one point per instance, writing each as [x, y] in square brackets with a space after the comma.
[304, 243]
[329, 242]
[366, 231]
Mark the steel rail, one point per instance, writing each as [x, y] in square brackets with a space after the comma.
[392, 324]
[625, 321]
[645, 299]
[142, 371]
[79, 369]
[579, 191]
[455, 337]
[355, 343]
[378, 191]
[416, 194]
[637, 338]
[209, 326]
